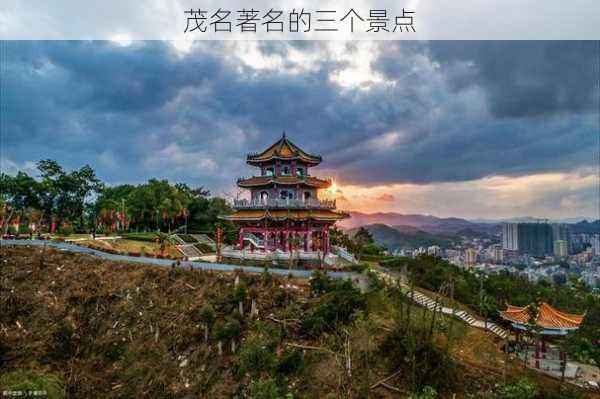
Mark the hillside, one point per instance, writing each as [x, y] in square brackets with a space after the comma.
[406, 237]
[427, 223]
[79, 327]
[586, 227]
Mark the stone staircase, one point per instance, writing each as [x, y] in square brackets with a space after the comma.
[204, 239]
[344, 254]
[429, 303]
[257, 242]
[189, 250]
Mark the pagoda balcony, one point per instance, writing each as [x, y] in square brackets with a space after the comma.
[289, 179]
[284, 204]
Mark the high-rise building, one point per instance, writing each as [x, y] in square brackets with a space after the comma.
[595, 242]
[435, 251]
[510, 236]
[560, 248]
[470, 256]
[535, 239]
[528, 238]
[561, 231]
[497, 254]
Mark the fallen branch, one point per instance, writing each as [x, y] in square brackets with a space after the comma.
[389, 377]
[283, 321]
[314, 348]
[391, 387]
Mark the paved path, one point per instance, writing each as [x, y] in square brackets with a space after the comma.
[430, 304]
[169, 262]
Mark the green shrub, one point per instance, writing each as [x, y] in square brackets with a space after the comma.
[357, 267]
[423, 361]
[426, 393]
[257, 354]
[522, 389]
[263, 389]
[290, 361]
[337, 305]
[63, 343]
[66, 230]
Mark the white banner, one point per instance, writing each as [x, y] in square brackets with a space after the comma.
[301, 20]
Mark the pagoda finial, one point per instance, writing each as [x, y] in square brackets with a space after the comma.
[283, 136]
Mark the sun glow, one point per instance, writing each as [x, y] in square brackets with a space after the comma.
[332, 191]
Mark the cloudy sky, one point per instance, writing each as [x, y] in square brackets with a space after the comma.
[471, 129]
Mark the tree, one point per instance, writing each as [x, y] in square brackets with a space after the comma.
[206, 316]
[361, 239]
[220, 334]
[239, 295]
[19, 193]
[69, 192]
[229, 329]
[233, 330]
[339, 238]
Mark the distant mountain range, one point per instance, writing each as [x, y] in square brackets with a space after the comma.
[398, 231]
[431, 224]
[405, 237]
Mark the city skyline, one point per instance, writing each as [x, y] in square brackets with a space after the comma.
[441, 128]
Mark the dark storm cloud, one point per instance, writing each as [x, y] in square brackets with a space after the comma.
[447, 112]
[519, 78]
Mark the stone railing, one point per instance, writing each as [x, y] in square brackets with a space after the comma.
[284, 204]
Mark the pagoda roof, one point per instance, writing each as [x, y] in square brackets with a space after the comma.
[283, 149]
[258, 181]
[547, 318]
[280, 215]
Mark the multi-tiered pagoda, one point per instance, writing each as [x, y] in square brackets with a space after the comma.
[284, 212]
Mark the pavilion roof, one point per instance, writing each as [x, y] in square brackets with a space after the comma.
[296, 215]
[283, 149]
[258, 181]
[548, 317]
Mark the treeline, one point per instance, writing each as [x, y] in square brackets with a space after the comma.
[63, 201]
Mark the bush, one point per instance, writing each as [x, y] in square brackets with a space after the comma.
[357, 267]
[425, 363]
[290, 361]
[263, 389]
[338, 305]
[258, 351]
[33, 381]
[522, 389]
[65, 230]
[427, 393]
[63, 343]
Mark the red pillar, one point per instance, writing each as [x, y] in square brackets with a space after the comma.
[241, 238]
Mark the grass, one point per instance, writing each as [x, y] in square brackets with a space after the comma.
[31, 381]
[140, 236]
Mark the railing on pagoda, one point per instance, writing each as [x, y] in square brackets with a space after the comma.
[284, 204]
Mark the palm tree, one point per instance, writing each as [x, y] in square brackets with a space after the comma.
[163, 241]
